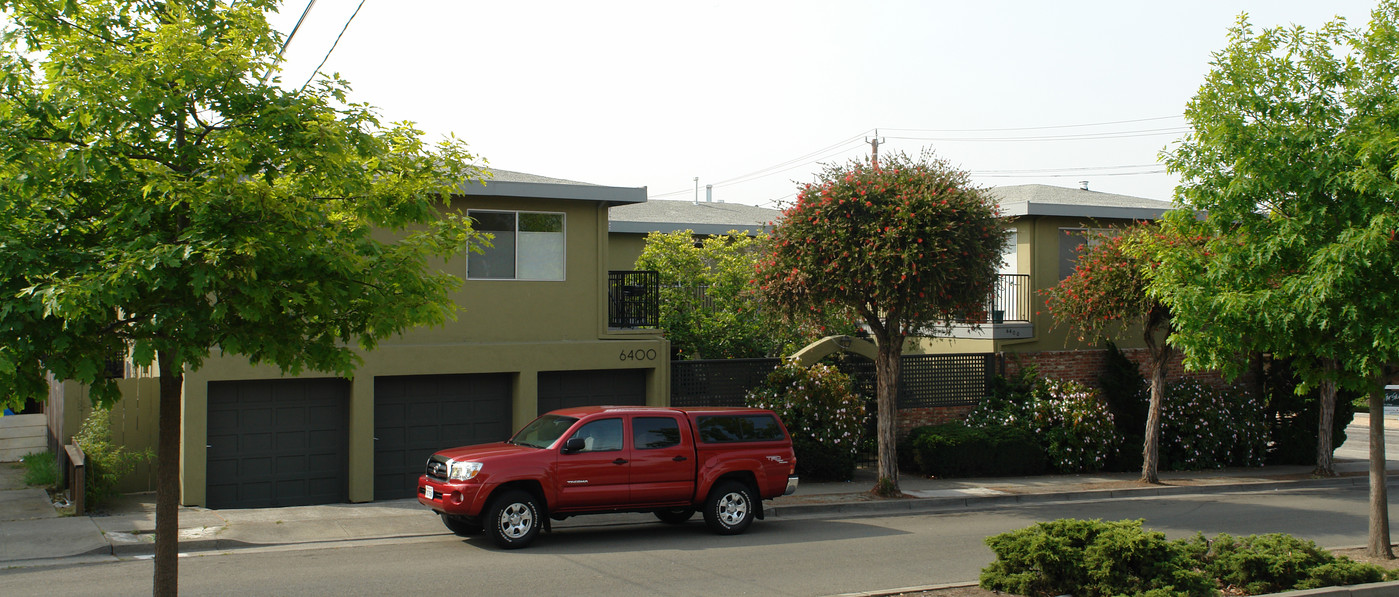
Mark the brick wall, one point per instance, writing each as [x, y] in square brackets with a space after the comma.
[937, 415]
[1084, 366]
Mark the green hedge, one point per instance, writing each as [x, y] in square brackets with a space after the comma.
[956, 450]
[1092, 558]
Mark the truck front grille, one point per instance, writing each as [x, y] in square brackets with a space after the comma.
[437, 468]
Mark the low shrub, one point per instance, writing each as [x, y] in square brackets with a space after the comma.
[956, 450]
[822, 412]
[1204, 428]
[1090, 558]
[105, 461]
[40, 469]
[1276, 562]
[1069, 420]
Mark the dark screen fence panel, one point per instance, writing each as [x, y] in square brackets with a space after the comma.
[719, 382]
[933, 380]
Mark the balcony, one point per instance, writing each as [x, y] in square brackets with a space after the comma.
[633, 300]
[1009, 313]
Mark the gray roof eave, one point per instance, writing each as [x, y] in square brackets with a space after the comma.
[667, 227]
[1083, 211]
[542, 190]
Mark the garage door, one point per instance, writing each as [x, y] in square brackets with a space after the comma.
[277, 443]
[563, 389]
[417, 415]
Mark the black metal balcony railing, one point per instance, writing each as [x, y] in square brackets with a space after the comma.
[1012, 299]
[633, 299]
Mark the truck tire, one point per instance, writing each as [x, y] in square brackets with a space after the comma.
[460, 526]
[729, 508]
[675, 515]
[512, 520]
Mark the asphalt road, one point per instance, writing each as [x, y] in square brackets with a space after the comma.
[791, 557]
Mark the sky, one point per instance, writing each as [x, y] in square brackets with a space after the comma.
[754, 96]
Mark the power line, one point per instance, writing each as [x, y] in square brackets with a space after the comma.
[332, 46]
[1039, 128]
[1072, 137]
[286, 42]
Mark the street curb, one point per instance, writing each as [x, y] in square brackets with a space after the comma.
[921, 505]
[146, 548]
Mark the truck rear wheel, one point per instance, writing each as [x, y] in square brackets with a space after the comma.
[513, 520]
[675, 515]
[729, 508]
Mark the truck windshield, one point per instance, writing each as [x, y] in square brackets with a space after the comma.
[544, 431]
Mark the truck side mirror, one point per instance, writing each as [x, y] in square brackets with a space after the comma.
[574, 444]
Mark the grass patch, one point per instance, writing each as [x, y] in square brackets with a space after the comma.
[40, 469]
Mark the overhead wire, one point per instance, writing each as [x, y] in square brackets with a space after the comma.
[332, 46]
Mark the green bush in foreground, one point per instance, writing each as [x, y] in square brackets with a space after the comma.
[1092, 558]
[106, 462]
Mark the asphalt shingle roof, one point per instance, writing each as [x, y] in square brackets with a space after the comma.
[700, 218]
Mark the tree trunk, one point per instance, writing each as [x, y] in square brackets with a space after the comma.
[1379, 495]
[167, 480]
[1325, 465]
[1160, 354]
[886, 367]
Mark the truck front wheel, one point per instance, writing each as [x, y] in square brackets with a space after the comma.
[460, 526]
[513, 520]
[729, 508]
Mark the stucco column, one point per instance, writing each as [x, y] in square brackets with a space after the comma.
[361, 439]
[524, 402]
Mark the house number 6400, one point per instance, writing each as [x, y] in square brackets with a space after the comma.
[647, 354]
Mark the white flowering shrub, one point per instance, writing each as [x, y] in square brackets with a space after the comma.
[1071, 421]
[823, 413]
[1205, 428]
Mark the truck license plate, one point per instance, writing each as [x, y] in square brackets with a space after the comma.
[427, 491]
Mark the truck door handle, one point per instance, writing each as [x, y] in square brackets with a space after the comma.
[619, 461]
[679, 459]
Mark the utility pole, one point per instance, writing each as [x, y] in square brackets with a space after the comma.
[874, 159]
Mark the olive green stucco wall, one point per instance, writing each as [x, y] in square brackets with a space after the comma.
[520, 328]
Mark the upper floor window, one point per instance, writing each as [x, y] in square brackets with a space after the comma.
[527, 246]
[1071, 241]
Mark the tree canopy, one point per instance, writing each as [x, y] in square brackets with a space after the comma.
[709, 304]
[904, 244]
[1293, 153]
[165, 197]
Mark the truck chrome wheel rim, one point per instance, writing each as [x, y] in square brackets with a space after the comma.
[733, 508]
[516, 520]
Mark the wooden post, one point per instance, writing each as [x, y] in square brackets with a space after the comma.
[77, 476]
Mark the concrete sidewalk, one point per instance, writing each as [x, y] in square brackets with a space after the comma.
[35, 536]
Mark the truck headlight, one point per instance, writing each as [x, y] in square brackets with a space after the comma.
[462, 471]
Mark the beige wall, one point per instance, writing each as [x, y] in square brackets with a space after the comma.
[1038, 255]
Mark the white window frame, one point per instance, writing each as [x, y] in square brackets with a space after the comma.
[563, 246]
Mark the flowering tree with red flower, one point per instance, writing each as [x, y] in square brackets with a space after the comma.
[1107, 293]
[904, 244]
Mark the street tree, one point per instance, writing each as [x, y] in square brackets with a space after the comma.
[709, 304]
[166, 199]
[1294, 155]
[905, 245]
[1107, 295]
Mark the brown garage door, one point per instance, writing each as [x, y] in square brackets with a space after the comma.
[416, 415]
[279, 442]
[563, 389]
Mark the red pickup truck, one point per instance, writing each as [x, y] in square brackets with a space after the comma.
[600, 459]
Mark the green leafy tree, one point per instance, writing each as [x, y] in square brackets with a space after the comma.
[904, 244]
[164, 198]
[709, 307]
[1107, 294]
[1295, 156]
